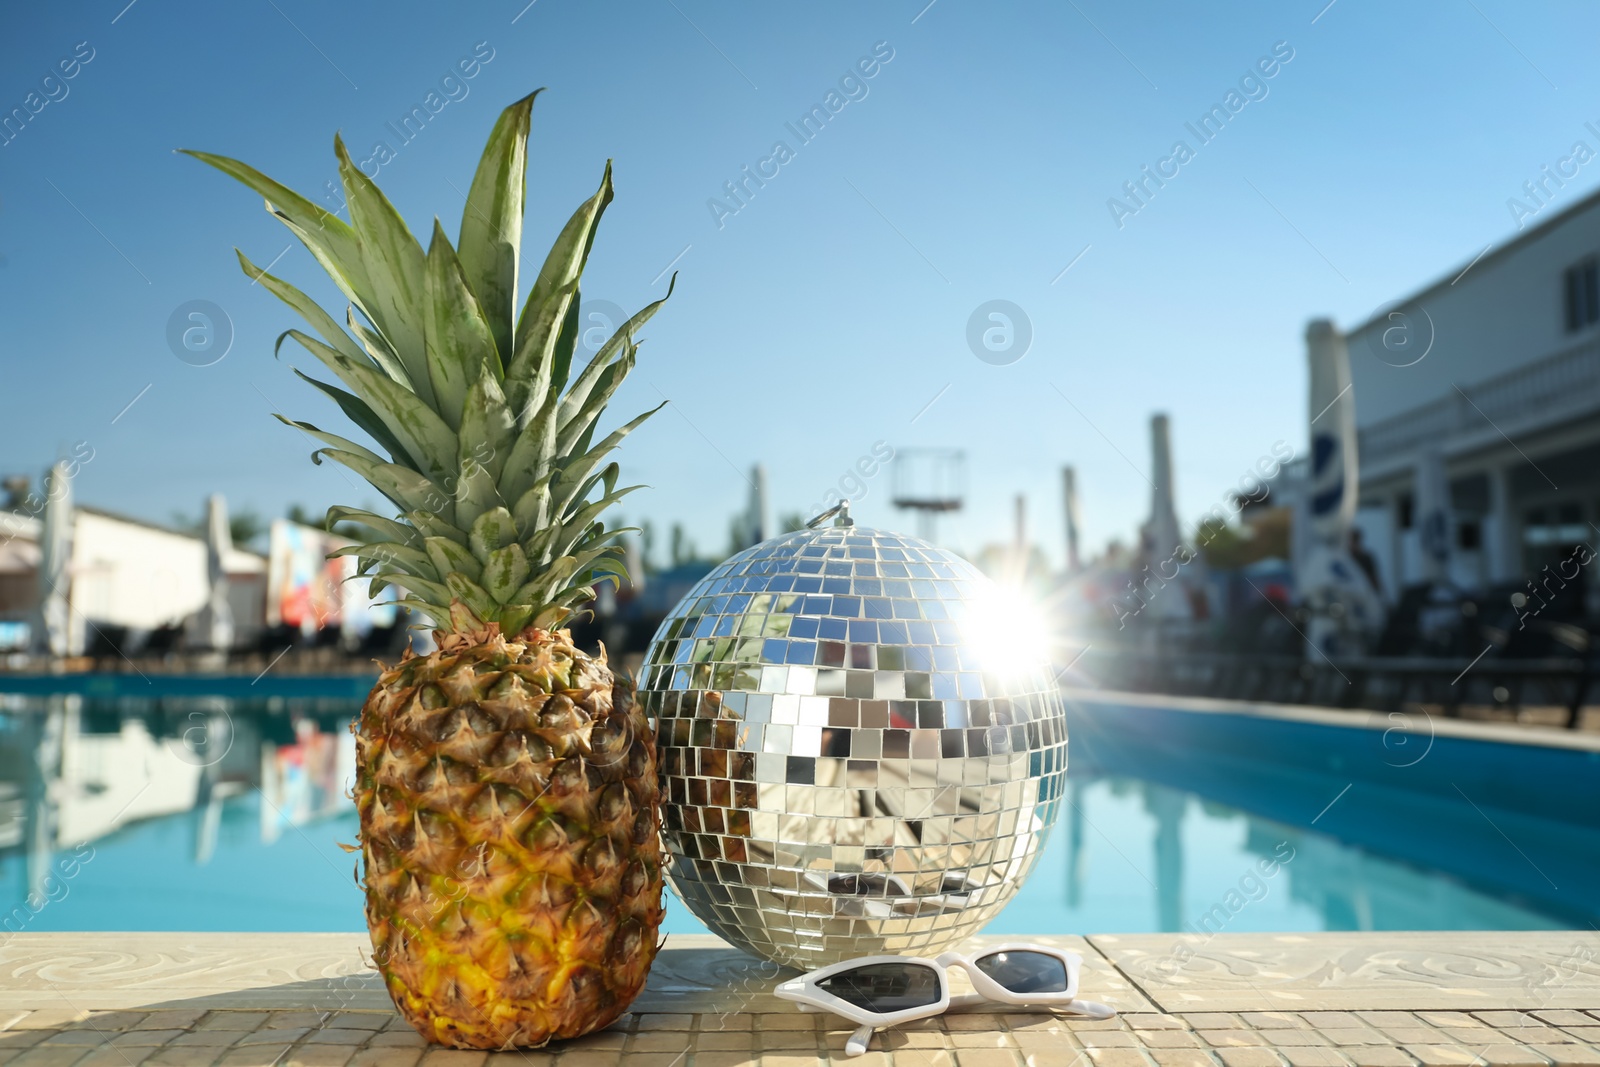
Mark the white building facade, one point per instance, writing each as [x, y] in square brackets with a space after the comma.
[1493, 371]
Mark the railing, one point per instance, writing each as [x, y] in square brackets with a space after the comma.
[1374, 683]
[1564, 384]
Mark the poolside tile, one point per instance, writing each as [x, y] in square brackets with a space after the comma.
[361, 1020]
[1442, 1055]
[1109, 1039]
[319, 1056]
[407, 1038]
[1591, 1034]
[218, 1039]
[145, 1038]
[1294, 1038]
[1312, 1056]
[986, 1057]
[658, 1041]
[1563, 1017]
[327, 1035]
[1512, 1056]
[453, 1057]
[107, 1056]
[1232, 1038]
[1355, 1035]
[172, 1019]
[1379, 1056]
[1148, 1021]
[980, 1039]
[1422, 1035]
[1059, 1056]
[388, 1057]
[1169, 1038]
[74, 1037]
[254, 1056]
[628, 1059]
[1249, 1057]
[271, 1037]
[731, 1041]
[1570, 1055]
[183, 1057]
[685, 1022]
[1182, 1057]
[1212, 1020]
[12, 1039]
[911, 1057]
[974, 1021]
[1118, 1057]
[50, 1056]
[107, 1021]
[231, 1020]
[1274, 1020]
[1330, 1020]
[50, 1019]
[1450, 1018]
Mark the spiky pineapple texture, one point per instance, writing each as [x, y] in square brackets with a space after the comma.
[490, 453]
[509, 810]
[506, 783]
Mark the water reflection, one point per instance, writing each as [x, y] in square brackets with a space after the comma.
[205, 813]
[75, 772]
[1136, 855]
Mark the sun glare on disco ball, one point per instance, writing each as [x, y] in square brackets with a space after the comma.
[862, 746]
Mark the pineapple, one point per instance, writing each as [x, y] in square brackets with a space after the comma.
[506, 783]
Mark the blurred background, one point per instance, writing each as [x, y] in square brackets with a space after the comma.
[1257, 346]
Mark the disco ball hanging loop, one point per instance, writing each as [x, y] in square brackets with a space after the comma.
[862, 746]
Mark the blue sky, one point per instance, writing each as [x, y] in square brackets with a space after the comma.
[827, 313]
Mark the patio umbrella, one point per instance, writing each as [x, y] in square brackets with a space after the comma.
[53, 636]
[219, 542]
[1432, 515]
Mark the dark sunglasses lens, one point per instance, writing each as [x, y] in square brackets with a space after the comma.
[1026, 972]
[885, 987]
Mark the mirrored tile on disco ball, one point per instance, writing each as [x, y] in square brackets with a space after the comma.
[862, 746]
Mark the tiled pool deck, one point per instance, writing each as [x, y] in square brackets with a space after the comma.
[1233, 1000]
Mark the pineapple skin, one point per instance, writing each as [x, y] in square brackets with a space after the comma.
[509, 809]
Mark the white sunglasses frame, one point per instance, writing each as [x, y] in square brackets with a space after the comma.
[806, 990]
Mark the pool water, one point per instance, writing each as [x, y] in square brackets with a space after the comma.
[210, 814]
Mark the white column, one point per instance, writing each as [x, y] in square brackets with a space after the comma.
[1500, 530]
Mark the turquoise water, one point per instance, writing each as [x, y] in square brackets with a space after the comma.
[208, 815]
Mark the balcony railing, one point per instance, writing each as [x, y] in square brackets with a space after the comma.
[1545, 392]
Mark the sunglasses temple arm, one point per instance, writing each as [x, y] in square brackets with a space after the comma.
[858, 1042]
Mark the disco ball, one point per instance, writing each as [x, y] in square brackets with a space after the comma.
[862, 746]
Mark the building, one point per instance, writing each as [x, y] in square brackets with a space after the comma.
[1493, 373]
[127, 579]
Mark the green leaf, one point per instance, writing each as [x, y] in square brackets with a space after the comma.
[449, 557]
[358, 412]
[505, 572]
[328, 237]
[393, 558]
[429, 522]
[573, 476]
[421, 432]
[408, 490]
[472, 594]
[382, 353]
[583, 420]
[394, 531]
[458, 339]
[492, 530]
[619, 341]
[307, 308]
[528, 374]
[491, 223]
[331, 440]
[395, 270]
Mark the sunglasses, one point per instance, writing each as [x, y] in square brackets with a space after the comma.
[877, 992]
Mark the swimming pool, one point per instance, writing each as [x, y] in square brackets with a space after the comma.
[208, 813]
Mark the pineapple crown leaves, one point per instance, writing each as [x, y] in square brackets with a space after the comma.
[484, 439]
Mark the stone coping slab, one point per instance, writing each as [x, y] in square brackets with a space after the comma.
[1511, 999]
